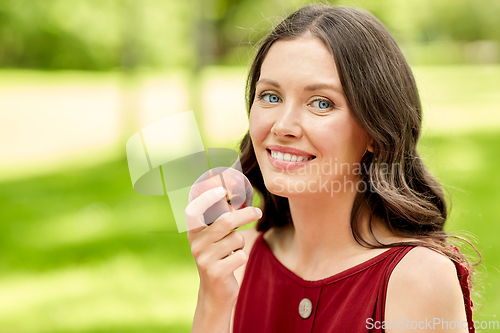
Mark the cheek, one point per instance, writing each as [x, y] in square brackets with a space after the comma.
[258, 126]
[346, 140]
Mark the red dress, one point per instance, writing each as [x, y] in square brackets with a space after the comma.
[272, 298]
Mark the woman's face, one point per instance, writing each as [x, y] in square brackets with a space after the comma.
[305, 138]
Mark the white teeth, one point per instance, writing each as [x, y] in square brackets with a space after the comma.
[288, 157]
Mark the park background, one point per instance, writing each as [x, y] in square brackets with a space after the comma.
[80, 251]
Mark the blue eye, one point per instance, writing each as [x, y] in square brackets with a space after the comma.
[270, 98]
[321, 104]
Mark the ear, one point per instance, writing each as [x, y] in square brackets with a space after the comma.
[369, 147]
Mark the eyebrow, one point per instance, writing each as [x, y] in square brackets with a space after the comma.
[271, 82]
[311, 87]
[323, 86]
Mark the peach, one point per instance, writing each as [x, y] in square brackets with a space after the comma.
[239, 191]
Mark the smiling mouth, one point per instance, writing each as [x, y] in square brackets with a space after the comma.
[287, 157]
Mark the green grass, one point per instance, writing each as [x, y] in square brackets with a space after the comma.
[82, 252]
[467, 165]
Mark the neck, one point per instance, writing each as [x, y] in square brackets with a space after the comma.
[321, 227]
[321, 235]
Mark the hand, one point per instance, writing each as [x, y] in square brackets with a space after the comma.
[218, 248]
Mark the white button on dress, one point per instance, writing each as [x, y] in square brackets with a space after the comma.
[305, 308]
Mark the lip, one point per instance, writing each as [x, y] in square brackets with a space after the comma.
[286, 165]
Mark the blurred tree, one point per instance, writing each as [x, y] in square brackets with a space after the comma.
[463, 20]
[93, 34]
[57, 34]
[89, 34]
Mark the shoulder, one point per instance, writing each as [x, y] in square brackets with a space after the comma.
[421, 263]
[424, 285]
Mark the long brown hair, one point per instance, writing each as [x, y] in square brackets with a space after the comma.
[382, 95]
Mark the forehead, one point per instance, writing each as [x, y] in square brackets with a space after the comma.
[303, 60]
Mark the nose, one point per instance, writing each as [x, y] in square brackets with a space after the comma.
[287, 124]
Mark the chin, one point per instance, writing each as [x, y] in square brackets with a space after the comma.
[279, 186]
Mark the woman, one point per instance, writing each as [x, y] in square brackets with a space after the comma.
[350, 237]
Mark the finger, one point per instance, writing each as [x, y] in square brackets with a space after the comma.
[229, 264]
[232, 242]
[195, 209]
[236, 219]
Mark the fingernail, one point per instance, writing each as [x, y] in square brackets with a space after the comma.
[220, 190]
[259, 212]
